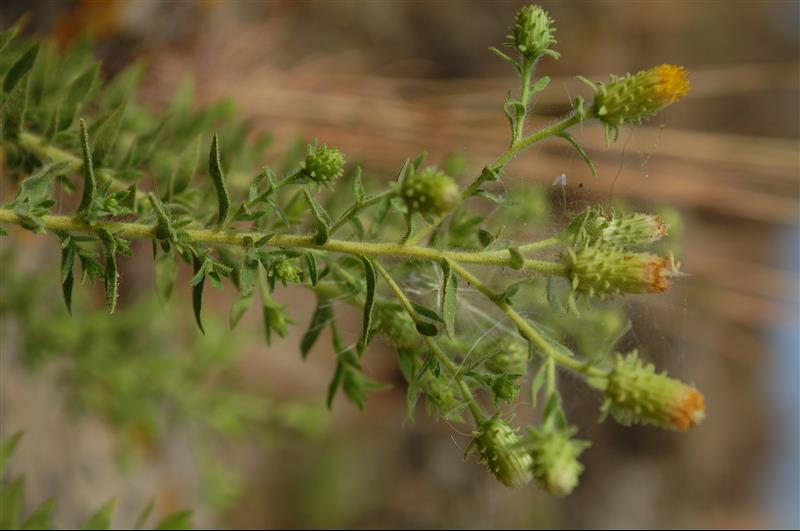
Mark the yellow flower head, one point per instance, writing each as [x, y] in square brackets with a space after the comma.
[635, 97]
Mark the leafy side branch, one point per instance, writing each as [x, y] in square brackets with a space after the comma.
[464, 343]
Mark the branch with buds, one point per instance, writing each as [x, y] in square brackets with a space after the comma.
[280, 226]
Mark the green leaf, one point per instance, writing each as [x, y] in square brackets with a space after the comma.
[67, 276]
[89, 183]
[540, 85]
[41, 518]
[178, 520]
[536, 384]
[238, 309]
[8, 35]
[369, 302]
[11, 499]
[106, 134]
[166, 269]
[164, 229]
[311, 264]
[336, 382]
[566, 135]
[102, 518]
[358, 187]
[485, 237]
[321, 217]
[111, 271]
[215, 170]
[14, 109]
[517, 261]
[322, 316]
[39, 186]
[427, 329]
[78, 91]
[145, 514]
[426, 312]
[185, 167]
[7, 448]
[449, 298]
[504, 57]
[20, 68]
[197, 291]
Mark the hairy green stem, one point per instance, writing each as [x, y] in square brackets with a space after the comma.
[305, 241]
[512, 151]
[441, 356]
[525, 327]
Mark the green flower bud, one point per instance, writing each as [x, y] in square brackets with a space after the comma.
[632, 98]
[504, 388]
[510, 356]
[287, 272]
[394, 323]
[555, 457]
[430, 192]
[635, 393]
[323, 164]
[602, 271]
[442, 395]
[616, 229]
[532, 34]
[501, 450]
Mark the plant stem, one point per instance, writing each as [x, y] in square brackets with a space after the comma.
[441, 356]
[351, 212]
[512, 151]
[525, 327]
[305, 241]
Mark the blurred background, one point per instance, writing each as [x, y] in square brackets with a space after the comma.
[384, 80]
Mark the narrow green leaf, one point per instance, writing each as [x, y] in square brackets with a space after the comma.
[485, 237]
[426, 312]
[540, 85]
[369, 302]
[89, 183]
[78, 91]
[311, 263]
[11, 499]
[504, 57]
[517, 261]
[215, 170]
[14, 109]
[321, 217]
[566, 135]
[358, 187]
[322, 316]
[427, 329]
[8, 35]
[336, 382]
[20, 68]
[179, 520]
[197, 291]
[41, 518]
[67, 276]
[185, 167]
[7, 448]
[164, 229]
[166, 270]
[106, 134]
[449, 298]
[39, 186]
[111, 272]
[238, 309]
[145, 514]
[536, 384]
[102, 518]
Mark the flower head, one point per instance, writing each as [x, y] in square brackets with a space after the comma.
[598, 270]
[532, 34]
[323, 164]
[430, 192]
[635, 393]
[617, 229]
[510, 356]
[501, 450]
[632, 98]
[555, 457]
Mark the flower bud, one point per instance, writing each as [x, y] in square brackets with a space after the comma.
[287, 272]
[601, 271]
[430, 192]
[632, 98]
[501, 450]
[555, 457]
[323, 164]
[442, 395]
[616, 229]
[532, 34]
[510, 357]
[392, 321]
[635, 393]
[504, 388]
